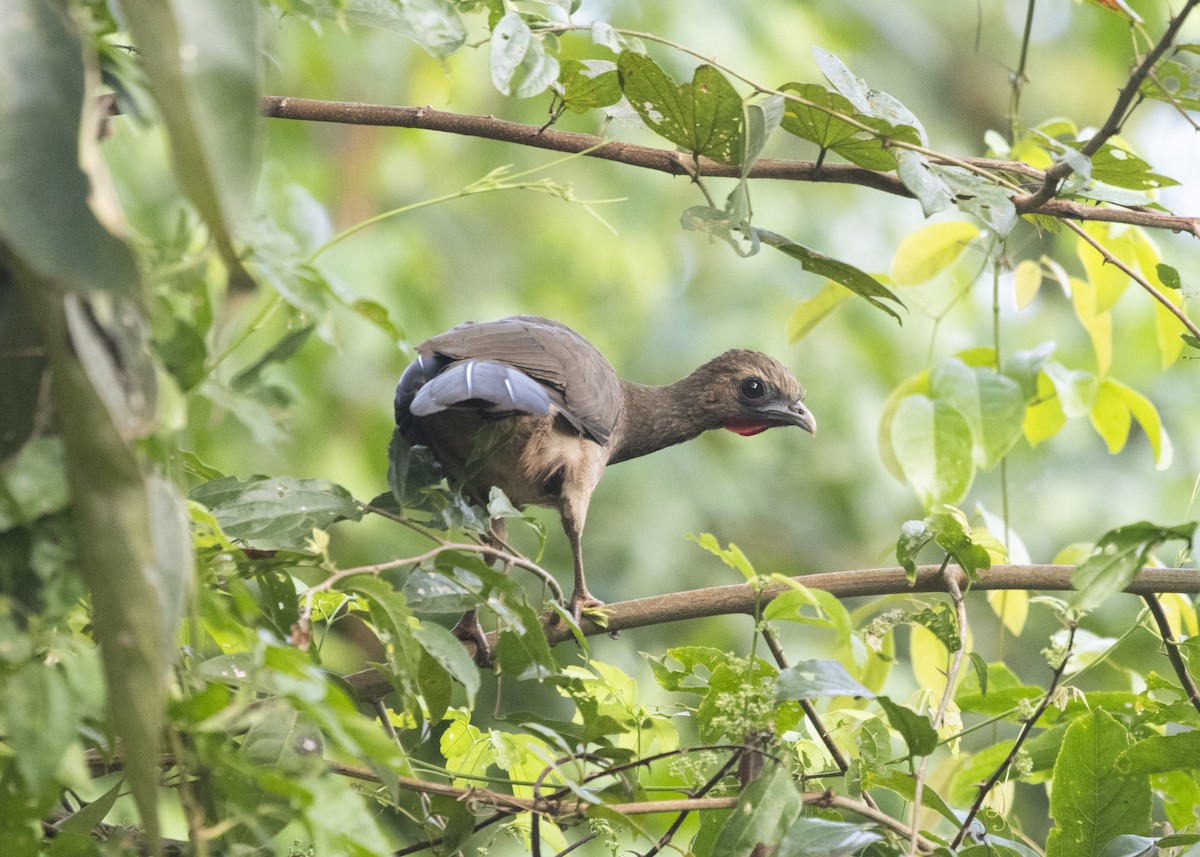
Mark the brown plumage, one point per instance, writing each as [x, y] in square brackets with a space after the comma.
[530, 406]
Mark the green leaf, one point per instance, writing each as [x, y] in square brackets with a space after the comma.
[732, 556]
[34, 484]
[448, 651]
[22, 367]
[1161, 753]
[1090, 801]
[934, 447]
[520, 65]
[918, 733]
[831, 132]
[40, 717]
[764, 812]
[45, 217]
[703, 117]
[813, 679]
[1025, 366]
[1168, 276]
[201, 62]
[981, 672]
[280, 352]
[1174, 82]
[588, 84]
[819, 837]
[1117, 558]
[862, 284]
[992, 404]
[930, 250]
[276, 513]
[904, 785]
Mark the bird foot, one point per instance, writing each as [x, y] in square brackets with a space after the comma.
[469, 630]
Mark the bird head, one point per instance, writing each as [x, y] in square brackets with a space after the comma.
[749, 392]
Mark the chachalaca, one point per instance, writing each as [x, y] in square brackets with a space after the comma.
[530, 406]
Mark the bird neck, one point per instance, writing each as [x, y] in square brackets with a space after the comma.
[654, 418]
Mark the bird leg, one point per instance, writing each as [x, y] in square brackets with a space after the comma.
[581, 599]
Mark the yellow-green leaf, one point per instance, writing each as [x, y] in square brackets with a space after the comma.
[930, 250]
[1110, 417]
[1044, 417]
[1108, 281]
[1027, 281]
[1146, 414]
[811, 312]
[1096, 320]
[1011, 608]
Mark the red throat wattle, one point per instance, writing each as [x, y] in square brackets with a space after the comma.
[746, 427]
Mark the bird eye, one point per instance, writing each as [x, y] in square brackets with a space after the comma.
[752, 388]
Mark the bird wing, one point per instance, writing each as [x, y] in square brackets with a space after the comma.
[579, 380]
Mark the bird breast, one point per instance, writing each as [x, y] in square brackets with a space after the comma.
[530, 458]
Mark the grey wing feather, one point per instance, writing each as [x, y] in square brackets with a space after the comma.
[578, 379]
[495, 386]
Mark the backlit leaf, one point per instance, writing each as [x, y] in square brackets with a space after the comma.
[1110, 417]
[930, 250]
[923, 182]
[1027, 280]
[859, 282]
[1097, 322]
[807, 314]
[933, 445]
[992, 404]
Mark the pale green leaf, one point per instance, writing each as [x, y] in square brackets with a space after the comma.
[814, 679]
[820, 837]
[992, 404]
[933, 445]
[1117, 558]
[520, 65]
[930, 250]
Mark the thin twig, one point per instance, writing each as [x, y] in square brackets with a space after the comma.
[1176, 311]
[1120, 112]
[1172, 645]
[810, 711]
[1026, 728]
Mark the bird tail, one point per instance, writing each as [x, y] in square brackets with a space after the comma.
[490, 386]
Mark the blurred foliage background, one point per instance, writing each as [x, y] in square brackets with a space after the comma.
[600, 247]
[658, 300]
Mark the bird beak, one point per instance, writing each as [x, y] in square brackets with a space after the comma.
[795, 414]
